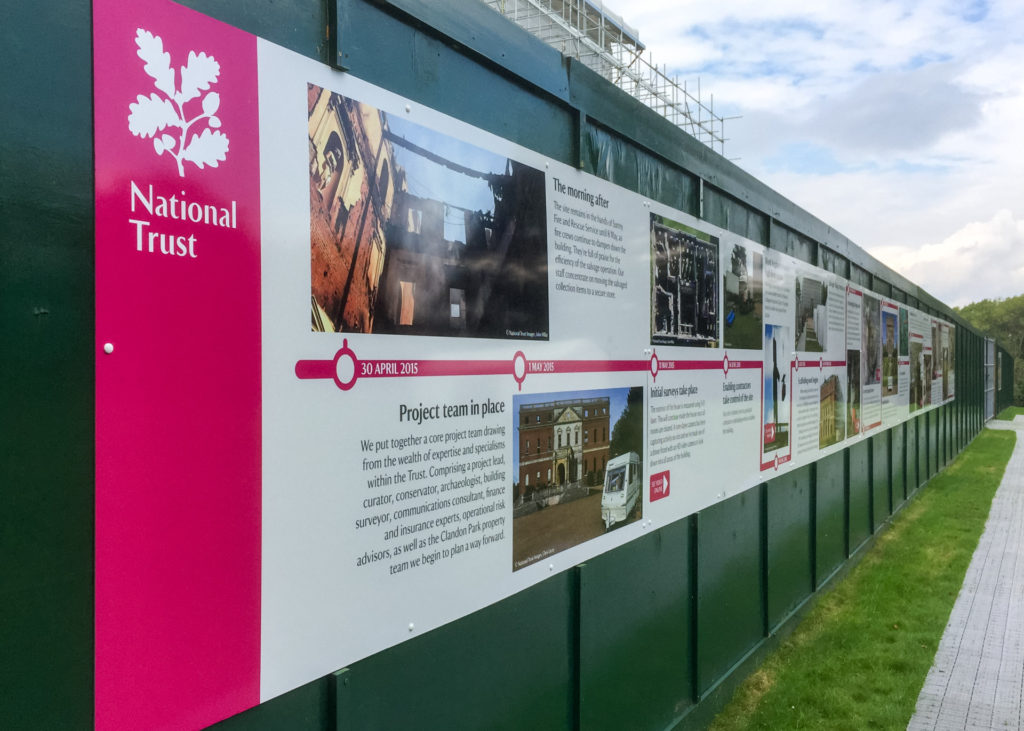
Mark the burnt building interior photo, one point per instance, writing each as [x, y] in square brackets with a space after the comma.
[380, 258]
[684, 296]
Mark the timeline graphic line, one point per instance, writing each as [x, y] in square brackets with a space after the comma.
[346, 368]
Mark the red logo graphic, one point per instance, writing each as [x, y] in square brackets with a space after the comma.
[659, 485]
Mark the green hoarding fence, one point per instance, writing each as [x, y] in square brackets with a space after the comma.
[705, 597]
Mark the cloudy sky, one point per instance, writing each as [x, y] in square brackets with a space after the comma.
[897, 123]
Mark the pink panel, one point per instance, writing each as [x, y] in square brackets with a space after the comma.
[178, 398]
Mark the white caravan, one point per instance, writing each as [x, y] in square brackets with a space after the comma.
[621, 488]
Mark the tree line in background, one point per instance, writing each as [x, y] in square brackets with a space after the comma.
[1002, 320]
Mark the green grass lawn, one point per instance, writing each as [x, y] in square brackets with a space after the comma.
[1009, 412]
[859, 658]
[745, 332]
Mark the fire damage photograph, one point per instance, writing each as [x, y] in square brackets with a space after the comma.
[778, 349]
[948, 359]
[904, 337]
[742, 282]
[870, 342]
[811, 315]
[684, 286]
[414, 232]
[926, 383]
[853, 390]
[917, 378]
[890, 353]
[580, 468]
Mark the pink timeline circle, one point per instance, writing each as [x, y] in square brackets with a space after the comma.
[519, 368]
[345, 358]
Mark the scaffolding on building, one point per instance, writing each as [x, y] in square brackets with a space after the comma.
[590, 32]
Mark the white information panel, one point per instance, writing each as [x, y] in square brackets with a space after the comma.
[513, 366]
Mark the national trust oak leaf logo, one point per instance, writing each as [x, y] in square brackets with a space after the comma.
[151, 115]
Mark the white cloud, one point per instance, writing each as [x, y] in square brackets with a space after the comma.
[985, 258]
[896, 112]
[895, 122]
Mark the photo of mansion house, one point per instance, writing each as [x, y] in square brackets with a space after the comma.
[562, 442]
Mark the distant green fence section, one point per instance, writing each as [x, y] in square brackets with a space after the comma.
[651, 635]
